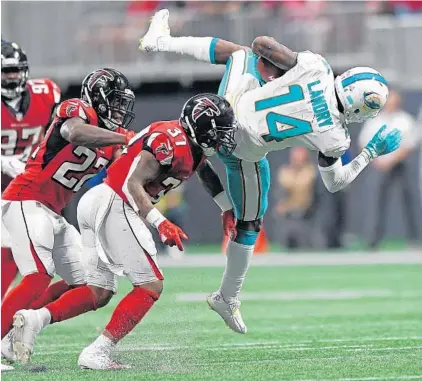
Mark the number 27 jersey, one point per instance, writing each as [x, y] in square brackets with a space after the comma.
[57, 169]
[298, 109]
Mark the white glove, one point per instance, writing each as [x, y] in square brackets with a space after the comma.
[12, 165]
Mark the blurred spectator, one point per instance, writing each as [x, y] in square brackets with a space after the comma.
[295, 210]
[419, 120]
[393, 167]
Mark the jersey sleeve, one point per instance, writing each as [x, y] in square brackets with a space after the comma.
[54, 91]
[160, 145]
[77, 108]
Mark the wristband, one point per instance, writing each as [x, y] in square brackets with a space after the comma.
[155, 218]
[223, 201]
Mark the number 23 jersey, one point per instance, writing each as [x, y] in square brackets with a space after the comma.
[57, 169]
[298, 109]
[168, 142]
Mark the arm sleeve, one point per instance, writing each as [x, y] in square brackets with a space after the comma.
[336, 176]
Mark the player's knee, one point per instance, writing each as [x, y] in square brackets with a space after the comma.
[247, 231]
[102, 296]
[156, 287]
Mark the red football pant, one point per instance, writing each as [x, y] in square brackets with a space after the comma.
[30, 288]
[9, 270]
[130, 311]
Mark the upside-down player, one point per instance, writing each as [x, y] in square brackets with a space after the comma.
[27, 108]
[84, 136]
[115, 238]
[301, 105]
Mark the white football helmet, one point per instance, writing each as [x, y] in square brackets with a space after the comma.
[363, 92]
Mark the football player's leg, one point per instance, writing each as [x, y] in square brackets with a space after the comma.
[32, 233]
[208, 49]
[248, 185]
[130, 245]
[102, 283]
[67, 257]
[9, 270]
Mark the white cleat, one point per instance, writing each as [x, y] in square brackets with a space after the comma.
[7, 347]
[6, 368]
[158, 36]
[27, 326]
[228, 311]
[99, 358]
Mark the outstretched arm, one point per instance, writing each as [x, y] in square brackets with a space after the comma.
[278, 54]
[79, 133]
[213, 186]
[336, 176]
[147, 168]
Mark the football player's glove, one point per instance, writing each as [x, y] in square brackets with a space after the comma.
[384, 142]
[171, 234]
[229, 224]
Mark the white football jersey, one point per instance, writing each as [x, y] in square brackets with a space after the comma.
[298, 109]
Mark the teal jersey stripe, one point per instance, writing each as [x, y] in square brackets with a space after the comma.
[362, 76]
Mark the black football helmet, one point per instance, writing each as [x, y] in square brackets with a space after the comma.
[209, 120]
[14, 70]
[108, 92]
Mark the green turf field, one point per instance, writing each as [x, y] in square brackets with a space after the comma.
[305, 323]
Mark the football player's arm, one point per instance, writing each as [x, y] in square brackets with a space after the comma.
[148, 169]
[213, 186]
[79, 133]
[337, 176]
[278, 54]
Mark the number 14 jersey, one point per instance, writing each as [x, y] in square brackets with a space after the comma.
[298, 109]
[57, 169]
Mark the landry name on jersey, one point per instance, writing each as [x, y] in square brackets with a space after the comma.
[298, 109]
[22, 130]
[57, 169]
[170, 145]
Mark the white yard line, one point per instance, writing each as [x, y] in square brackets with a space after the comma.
[363, 378]
[306, 295]
[303, 259]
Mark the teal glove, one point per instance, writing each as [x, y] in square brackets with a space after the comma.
[384, 142]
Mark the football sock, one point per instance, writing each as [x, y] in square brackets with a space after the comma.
[72, 303]
[238, 257]
[30, 288]
[9, 270]
[202, 48]
[130, 311]
[53, 292]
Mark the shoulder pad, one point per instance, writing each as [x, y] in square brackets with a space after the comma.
[161, 147]
[46, 88]
[77, 108]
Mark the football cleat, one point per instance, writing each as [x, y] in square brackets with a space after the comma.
[6, 368]
[27, 325]
[99, 358]
[157, 37]
[228, 311]
[7, 347]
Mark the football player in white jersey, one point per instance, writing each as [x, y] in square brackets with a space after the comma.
[281, 99]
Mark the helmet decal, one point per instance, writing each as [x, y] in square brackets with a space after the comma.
[204, 106]
[97, 76]
[372, 100]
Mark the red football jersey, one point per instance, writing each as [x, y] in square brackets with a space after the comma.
[57, 169]
[22, 131]
[170, 145]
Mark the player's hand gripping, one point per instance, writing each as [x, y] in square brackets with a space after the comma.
[171, 234]
[229, 223]
[384, 142]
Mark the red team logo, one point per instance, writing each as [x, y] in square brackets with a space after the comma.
[204, 106]
[98, 76]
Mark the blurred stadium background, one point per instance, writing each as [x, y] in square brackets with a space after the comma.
[66, 40]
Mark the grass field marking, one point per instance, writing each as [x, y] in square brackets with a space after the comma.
[364, 378]
[305, 295]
